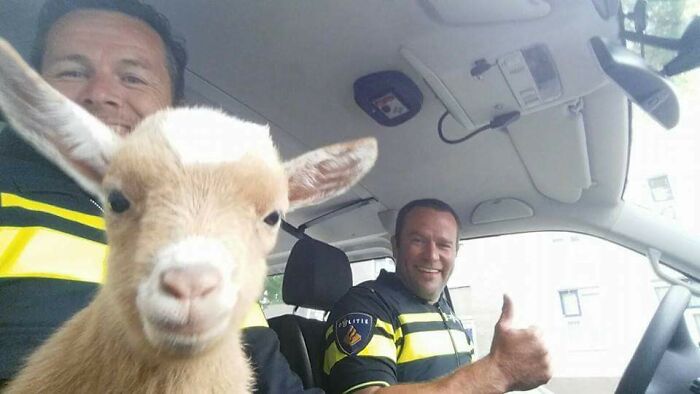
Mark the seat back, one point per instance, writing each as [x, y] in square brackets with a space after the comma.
[316, 276]
[300, 343]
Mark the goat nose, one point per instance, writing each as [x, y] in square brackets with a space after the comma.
[190, 282]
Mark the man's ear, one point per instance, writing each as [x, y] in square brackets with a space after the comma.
[394, 247]
[324, 173]
[80, 144]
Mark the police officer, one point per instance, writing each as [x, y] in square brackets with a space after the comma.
[119, 61]
[399, 328]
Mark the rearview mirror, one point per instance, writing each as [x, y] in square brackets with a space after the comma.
[644, 86]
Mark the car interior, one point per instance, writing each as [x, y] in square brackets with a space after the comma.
[521, 114]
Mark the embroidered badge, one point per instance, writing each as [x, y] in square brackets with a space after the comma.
[353, 332]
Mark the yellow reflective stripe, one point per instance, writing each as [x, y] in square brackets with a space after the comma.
[11, 200]
[367, 384]
[397, 335]
[386, 326]
[419, 317]
[329, 331]
[378, 346]
[40, 252]
[255, 317]
[331, 356]
[420, 345]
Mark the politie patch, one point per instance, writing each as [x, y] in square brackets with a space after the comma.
[353, 332]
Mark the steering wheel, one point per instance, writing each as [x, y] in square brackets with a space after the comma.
[655, 341]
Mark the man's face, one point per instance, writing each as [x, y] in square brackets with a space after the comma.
[425, 251]
[109, 63]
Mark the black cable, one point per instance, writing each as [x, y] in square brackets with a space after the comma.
[498, 122]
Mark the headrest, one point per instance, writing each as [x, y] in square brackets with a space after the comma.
[316, 275]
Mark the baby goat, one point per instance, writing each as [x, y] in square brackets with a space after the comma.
[193, 202]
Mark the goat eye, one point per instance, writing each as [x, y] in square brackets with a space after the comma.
[118, 202]
[272, 218]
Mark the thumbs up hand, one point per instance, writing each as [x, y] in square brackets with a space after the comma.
[506, 318]
[519, 354]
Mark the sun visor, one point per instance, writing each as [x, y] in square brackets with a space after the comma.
[552, 147]
[460, 12]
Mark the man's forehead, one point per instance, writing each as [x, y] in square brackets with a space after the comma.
[76, 56]
[443, 234]
[425, 214]
[421, 220]
[110, 31]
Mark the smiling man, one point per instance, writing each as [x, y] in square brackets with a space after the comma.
[118, 60]
[112, 64]
[400, 328]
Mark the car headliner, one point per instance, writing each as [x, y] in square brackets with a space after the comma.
[292, 64]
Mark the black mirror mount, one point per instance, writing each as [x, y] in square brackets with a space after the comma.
[644, 86]
[639, 16]
[687, 47]
[688, 57]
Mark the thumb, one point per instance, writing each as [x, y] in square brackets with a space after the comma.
[506, 318]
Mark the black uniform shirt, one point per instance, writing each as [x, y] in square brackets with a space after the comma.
[380, 333]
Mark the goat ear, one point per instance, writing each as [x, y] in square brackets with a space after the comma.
[80, 144]
[327, 172]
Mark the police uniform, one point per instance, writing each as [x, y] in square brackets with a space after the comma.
[52, 258]
[380, 334]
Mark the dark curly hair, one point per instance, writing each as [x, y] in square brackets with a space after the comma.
[176, 55]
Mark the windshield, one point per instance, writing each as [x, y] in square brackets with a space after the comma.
[664, 168]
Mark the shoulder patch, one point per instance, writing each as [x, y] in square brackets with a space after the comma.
[353, 332]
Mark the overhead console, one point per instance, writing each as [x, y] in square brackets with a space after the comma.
[524, 80]
[531, 76]
[478, 69]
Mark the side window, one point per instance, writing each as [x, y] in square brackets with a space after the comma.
[271, 297]
[363, 271]
[592, 299]
[273, 305]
